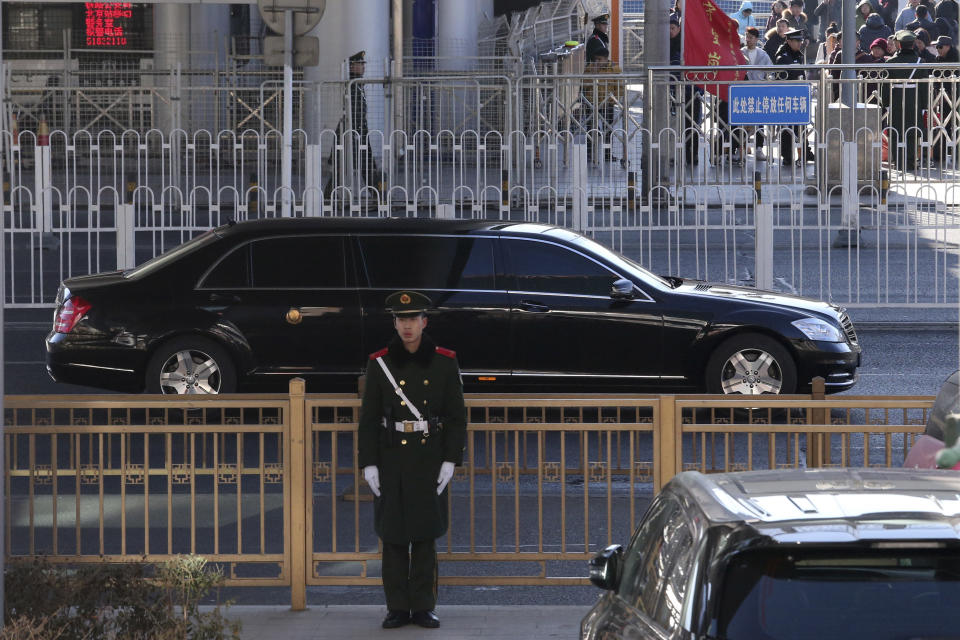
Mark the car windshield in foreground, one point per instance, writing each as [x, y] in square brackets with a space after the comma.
[614, 258]
[167, 257]
[848, 594]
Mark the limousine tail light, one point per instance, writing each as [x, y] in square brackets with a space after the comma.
[69, 314]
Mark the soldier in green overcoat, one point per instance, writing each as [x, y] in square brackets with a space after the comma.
[411, 435]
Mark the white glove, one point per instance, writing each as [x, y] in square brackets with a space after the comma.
[372, 476]
[446, 472]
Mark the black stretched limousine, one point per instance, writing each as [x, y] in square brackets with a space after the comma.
[525, 306]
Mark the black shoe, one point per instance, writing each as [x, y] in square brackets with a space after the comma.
[427, 619]
[396, 618]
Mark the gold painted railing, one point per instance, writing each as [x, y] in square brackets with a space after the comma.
[267, 485]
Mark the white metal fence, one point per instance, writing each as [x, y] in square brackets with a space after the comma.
[569, 150]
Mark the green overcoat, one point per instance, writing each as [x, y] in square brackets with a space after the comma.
[409, 508]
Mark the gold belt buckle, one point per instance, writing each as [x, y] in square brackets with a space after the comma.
[408, 426]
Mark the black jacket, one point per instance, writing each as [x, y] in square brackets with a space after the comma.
[873, 29]
[947, 9]
[787, 56]
[598, 42]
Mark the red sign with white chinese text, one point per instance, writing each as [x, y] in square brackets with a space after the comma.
[710, 38]
[107, 23]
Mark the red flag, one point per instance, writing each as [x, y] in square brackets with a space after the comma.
[710, 38]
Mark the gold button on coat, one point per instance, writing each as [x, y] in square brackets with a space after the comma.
[426, 382]
[423, 441]
[403, 382]
[403, 442]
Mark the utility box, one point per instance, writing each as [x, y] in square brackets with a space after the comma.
[859, 124]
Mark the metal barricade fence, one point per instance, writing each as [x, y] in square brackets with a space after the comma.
[267, 486]
[568, 150]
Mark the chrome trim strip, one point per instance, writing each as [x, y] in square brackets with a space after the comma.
[547, 374]
[572, 295]
[94, 366]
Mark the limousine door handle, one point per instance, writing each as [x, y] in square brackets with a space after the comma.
[526, 305]
[224, 297]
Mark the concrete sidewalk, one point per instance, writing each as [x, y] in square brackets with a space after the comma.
[360, 622]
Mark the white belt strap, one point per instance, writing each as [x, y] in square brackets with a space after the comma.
[410, 405]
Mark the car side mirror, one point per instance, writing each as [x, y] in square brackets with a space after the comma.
[622, 289]
[605, 567]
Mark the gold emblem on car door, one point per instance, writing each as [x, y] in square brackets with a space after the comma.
[294, 316]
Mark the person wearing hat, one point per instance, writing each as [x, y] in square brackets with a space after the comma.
[947, 95]
[599, 42]
[878, 50]
[363, 161]
[874, 28]
[362, 158]
[411, 435]
[906, 100]
[744, 17]
[791, 53]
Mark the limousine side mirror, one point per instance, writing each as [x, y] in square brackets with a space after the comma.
[605, 567]
[622, 289]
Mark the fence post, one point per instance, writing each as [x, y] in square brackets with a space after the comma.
[298, 426]
[578, 168]
[818, 445]
[763, 239]
[126, 251]
[43, 179]
[666, 427]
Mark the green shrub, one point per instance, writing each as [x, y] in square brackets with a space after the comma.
[94, 601]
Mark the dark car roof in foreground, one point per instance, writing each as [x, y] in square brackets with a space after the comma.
[400, 225]
[833, 505]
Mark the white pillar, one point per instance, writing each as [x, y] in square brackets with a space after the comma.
[348, 27]
[171, 29]
[457, 37]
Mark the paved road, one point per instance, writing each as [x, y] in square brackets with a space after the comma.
[896, 361]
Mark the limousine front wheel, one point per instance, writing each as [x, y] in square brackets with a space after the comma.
[191, 365]
[751, 364]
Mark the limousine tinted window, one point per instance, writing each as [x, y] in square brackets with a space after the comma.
[441, 262]
[298, 262]
[549, 268]
[232, 272]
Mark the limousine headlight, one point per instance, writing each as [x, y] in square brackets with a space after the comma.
[816, 329]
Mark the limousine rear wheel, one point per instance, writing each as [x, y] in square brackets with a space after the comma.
[191, 365]
[751, 364]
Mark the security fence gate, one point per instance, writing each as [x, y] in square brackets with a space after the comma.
[268, 487]
[678, 190]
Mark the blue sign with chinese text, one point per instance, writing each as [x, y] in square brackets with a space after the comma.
[770, 103]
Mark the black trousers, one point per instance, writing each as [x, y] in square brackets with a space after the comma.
[366, 165]
[410, 575]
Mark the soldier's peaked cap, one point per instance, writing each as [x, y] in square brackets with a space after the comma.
[359, 56]
[603, 18]
[905, 35]
[408, 303]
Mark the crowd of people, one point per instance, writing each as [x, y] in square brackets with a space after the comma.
[805, 32]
